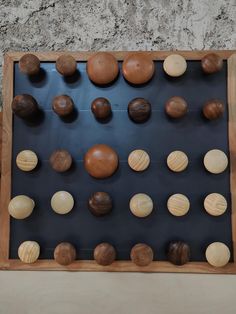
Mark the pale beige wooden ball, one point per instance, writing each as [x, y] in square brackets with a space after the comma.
[175, 65]
[21, 206]
[217, 254]
[177, 161]
[29, 251]
[62, 202]
[178, 204]
[215, 204]
[138, 160]
[141, 205]
[215, 161]
[26, 160]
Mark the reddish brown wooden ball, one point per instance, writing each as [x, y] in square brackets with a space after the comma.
[101, 108]
[212, 63]
[213, 109]
[178, 253]
[24, 106]
[65, 253]
[139, 110]
[60, 160]
[66, 65]
[100, 203]
[141, 254]
[29, 64]
[104, 254]
[63, 105]
[176, 107]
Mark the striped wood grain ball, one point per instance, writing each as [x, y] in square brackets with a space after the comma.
[29, 251]
[138, 160]
[177, 161]
[178, 204]
[215, 204]
[141, 205]
[26, 160]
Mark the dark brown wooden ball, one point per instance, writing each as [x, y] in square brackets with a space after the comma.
[104, 254]
[29, 64]
[100, 203]
[60, 160]
[213, 109]
[139, 110]
[66, 65]
[176, 107]
[212, 63]
[63, 105]
[24, 106]
[101, 108]
[65, 253]
[141, 254]
[178, 253]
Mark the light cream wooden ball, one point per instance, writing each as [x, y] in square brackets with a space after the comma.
[26, 160]
[138, 160]
[215, 161]
[215, 204]
[21, 206]
[177, 161]
[29, 251]
[217, 254]
[175, 65]
[62, 202]
[141, 205]
[178, 204]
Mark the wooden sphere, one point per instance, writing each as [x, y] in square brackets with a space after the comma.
[139, 110]
[26, 160]
[175, 65]
[21, 207]
[60, 160]
[138, 68]
[101, 108]
[215, 161]
[29, 64]
[65, 253]
[213, 109]
[217, 254]
[177, 161]
[62, 202]
[178, 204]
[100, 203]
[104, 254]
[102, 68]
[66, 65]
[178, 253]
[101, 161]
[176, 107]
[141, 254]
[62, 105]
[215, 204]
[138, 160]
[24, 106]
[141, 205]
[212, 63]
[29, 251]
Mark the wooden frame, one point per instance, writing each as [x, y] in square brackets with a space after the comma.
[124, 266]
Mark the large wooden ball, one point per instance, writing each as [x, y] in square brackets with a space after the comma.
[141, 254]
[178, 253]
[139, 110]
[24, 106]
[21, 207]
[212, 63]
[104, 254]
[60, 160]
[101, 108]
[28, 252]
[66, 65]
[62, 202]
[63, 105]
[100, 203]
[29, 64]
[217, 254]
[65, 253]
[141, 205]
[176, 107]
[213, 109]
[26, 160]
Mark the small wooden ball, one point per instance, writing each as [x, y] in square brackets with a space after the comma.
[141, 205]
[177, 161]
[62, 202]
[215, 161]
[141, 254]
[104, 254]
[213, 109]
[178, 204]
[26, 160]
[175, 65]
[218, 254]
[65, 253]
[29, 251]
[60, 160]
[139, 110]
[138, 68]
[100, 203]
[29, 64]
[178, 253]
[215, 204]
[66, 65]
[176, 107]
[24, 106]
[62, 105]
[21, 207]
[138, 160]
[212, 63]
[101, 108]
[102, 68]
